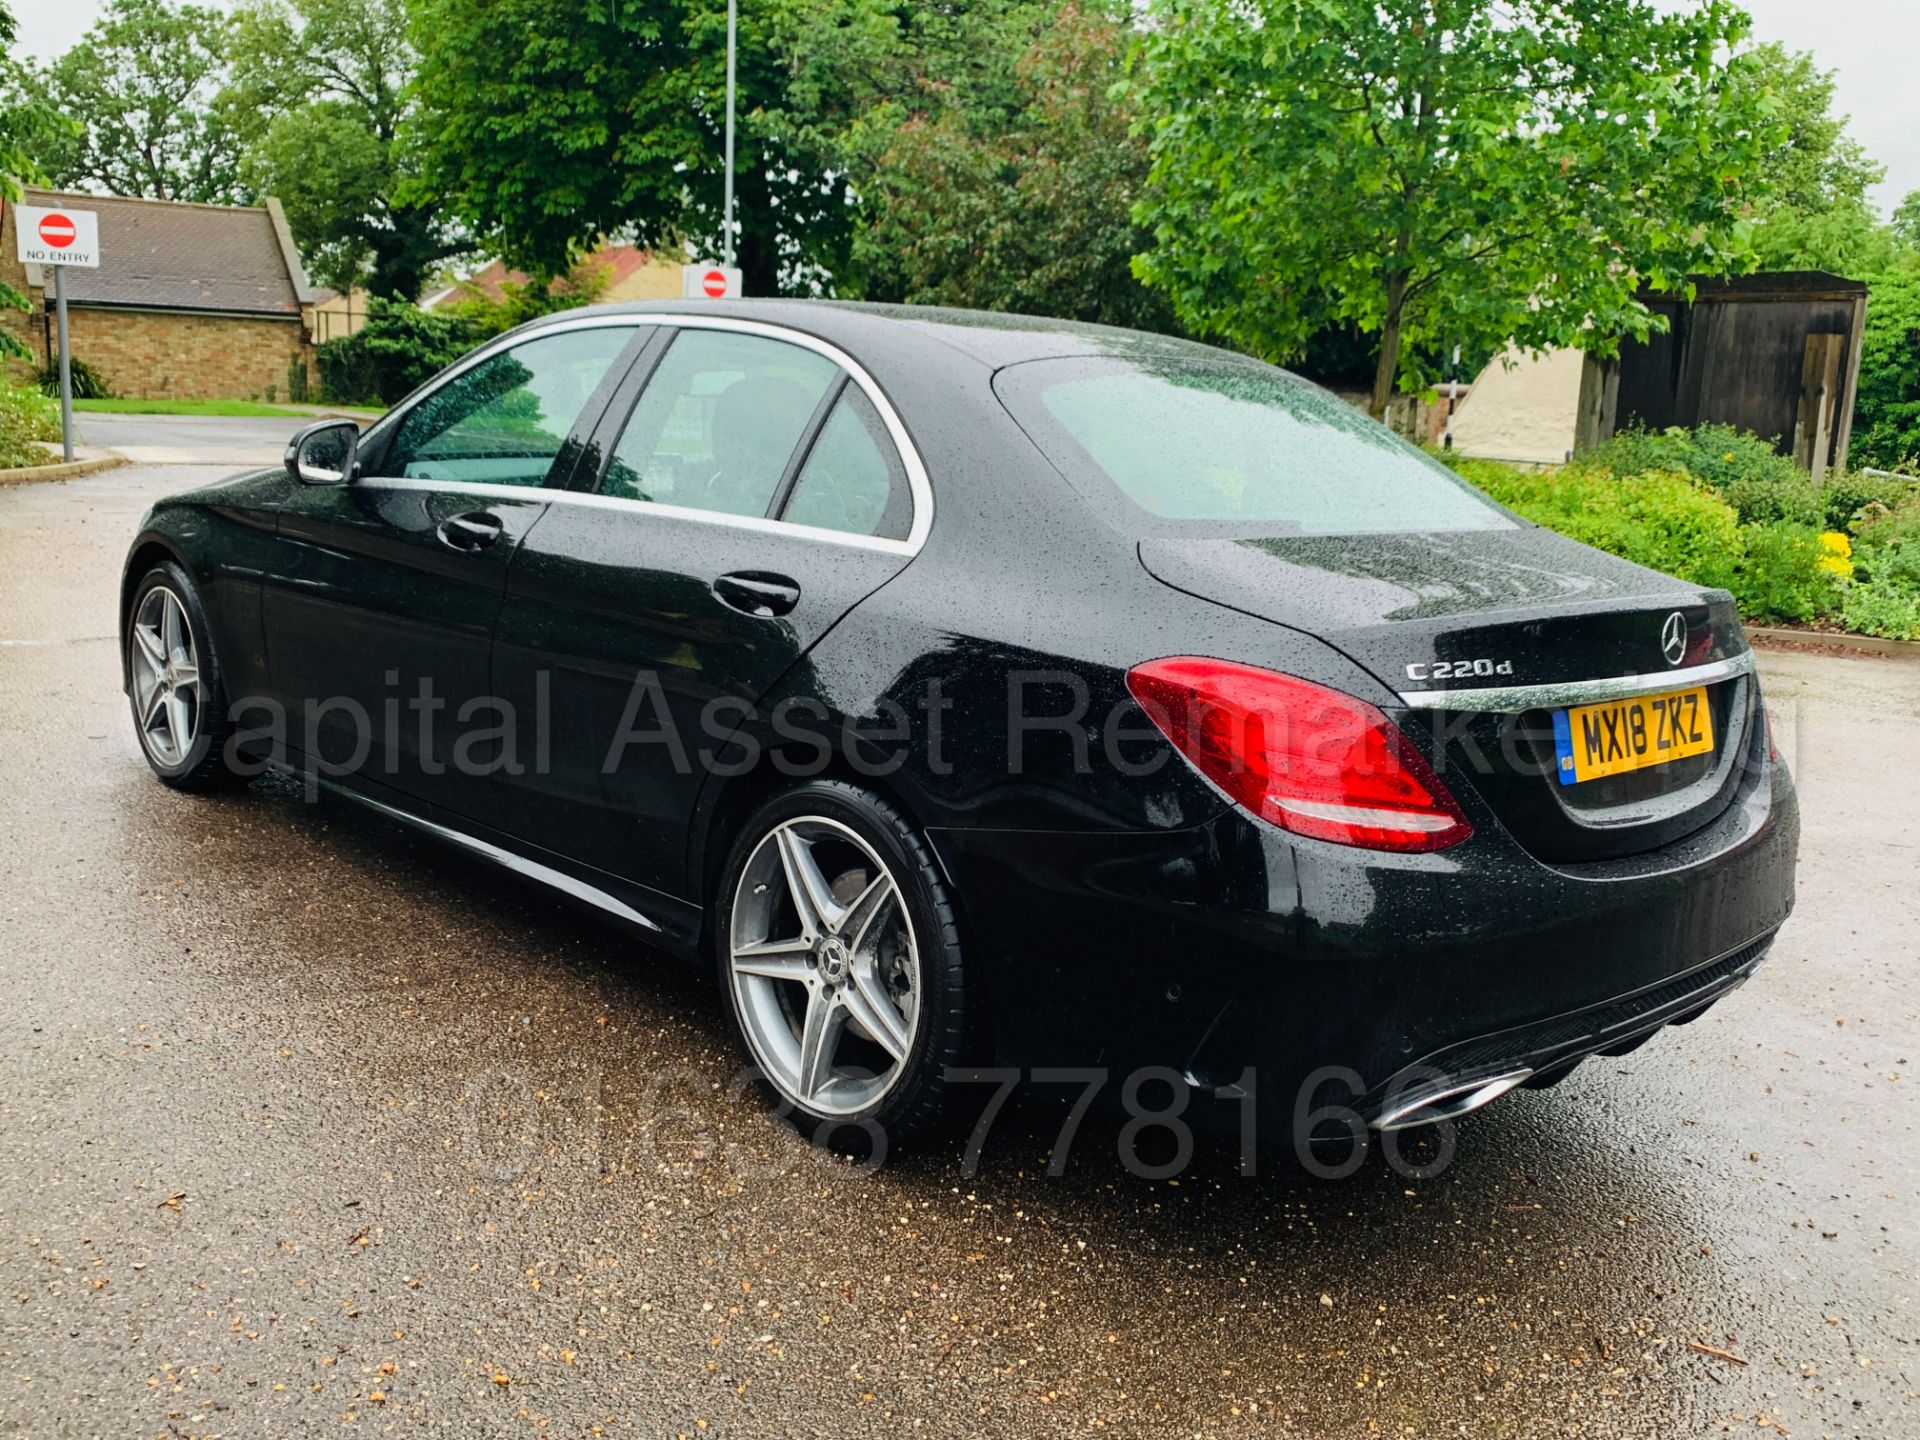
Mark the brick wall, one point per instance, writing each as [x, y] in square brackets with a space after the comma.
[168, 355]
[172, 356]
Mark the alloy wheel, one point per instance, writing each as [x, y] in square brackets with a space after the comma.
[167, 689]
[824, 967]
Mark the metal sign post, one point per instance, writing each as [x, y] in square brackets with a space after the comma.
[726, 221]
[66, 365]
[58, 239]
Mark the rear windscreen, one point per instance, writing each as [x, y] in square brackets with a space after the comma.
[1183, 447]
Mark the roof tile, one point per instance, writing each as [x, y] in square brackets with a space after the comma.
[170, 256]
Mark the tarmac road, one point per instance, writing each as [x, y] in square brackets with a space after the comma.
[229, 440]
[306, 1121]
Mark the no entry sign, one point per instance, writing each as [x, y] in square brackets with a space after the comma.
[57, 237]
[705, 281]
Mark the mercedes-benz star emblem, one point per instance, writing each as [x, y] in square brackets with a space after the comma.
[1673, 638]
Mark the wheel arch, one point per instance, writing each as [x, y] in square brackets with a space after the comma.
[729, 800]
[151, 549]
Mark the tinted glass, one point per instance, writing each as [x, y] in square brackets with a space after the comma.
[1231, 448]
[718, 422]
[853, 479]
[504, 420]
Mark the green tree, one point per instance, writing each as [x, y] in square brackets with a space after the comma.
[1886, 428]
[1440, 170]
[1818, 216]
[1014, 189]
[336, 76]
[1906, 220]
[144, 82]
[548, 123]
[1011, 189]
[27, 124]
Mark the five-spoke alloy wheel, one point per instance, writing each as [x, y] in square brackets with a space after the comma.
[165, 672]
[839, 950]
[173, 682]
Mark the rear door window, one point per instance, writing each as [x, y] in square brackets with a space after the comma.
[1172, 446]
[718, 422]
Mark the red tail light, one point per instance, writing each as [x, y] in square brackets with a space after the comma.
[1301, 756]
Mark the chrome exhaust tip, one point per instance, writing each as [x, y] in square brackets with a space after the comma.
[1429, 1107]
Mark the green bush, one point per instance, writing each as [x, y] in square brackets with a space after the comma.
[26, 416]
[1886, 417]
[1879, 609]
[521, 301]
[1687, 524]
[1779, 575]
[1886, 559]
[1653, 518]
[1889, 525]
[88, 383]
[1761, 484]
[1845, 496]
[400, 347]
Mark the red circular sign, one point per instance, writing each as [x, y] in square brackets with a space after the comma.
[714, 282]
[58, 231]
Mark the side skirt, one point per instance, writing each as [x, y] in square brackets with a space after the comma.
[668, 922]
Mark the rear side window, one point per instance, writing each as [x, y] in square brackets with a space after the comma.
[1198, 448]
[718, 421]
[853, 479]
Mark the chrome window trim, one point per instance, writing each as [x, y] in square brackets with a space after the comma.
[484, 490]
[918, 483]
[1513, 699]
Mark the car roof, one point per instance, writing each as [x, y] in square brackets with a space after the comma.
[989, 338]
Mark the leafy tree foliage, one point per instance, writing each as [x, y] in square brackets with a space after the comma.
[549, 123]
[1887, 411]
[26, 124]
[1440, 170]
[1906, 219]
[145, 83]
[1013, 189]
[399, 348]
[336, 77]
[1818, 216]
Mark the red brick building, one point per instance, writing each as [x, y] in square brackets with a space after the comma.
[189, 302]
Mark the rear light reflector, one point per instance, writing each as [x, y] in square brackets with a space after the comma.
[1311, 760]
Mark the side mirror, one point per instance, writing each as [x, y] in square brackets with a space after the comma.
[324, 454]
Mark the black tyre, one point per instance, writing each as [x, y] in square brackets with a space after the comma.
[838, 949]
[174, 683]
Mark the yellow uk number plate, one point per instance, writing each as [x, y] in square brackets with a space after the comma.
[1591, 741]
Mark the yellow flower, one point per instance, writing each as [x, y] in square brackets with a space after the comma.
[1727, 456]
[1835, 565]
[1835, 542]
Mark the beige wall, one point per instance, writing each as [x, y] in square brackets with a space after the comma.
[658, 279]
[338, 316]
[1525, 412]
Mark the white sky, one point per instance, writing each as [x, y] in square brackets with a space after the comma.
[1872, 44]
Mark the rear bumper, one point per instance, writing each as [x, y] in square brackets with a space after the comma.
[1238, 956]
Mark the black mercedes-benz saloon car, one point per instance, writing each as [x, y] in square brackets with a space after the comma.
[974, 690]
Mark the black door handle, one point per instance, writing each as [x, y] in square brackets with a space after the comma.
[473, 531]
[758, 592]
